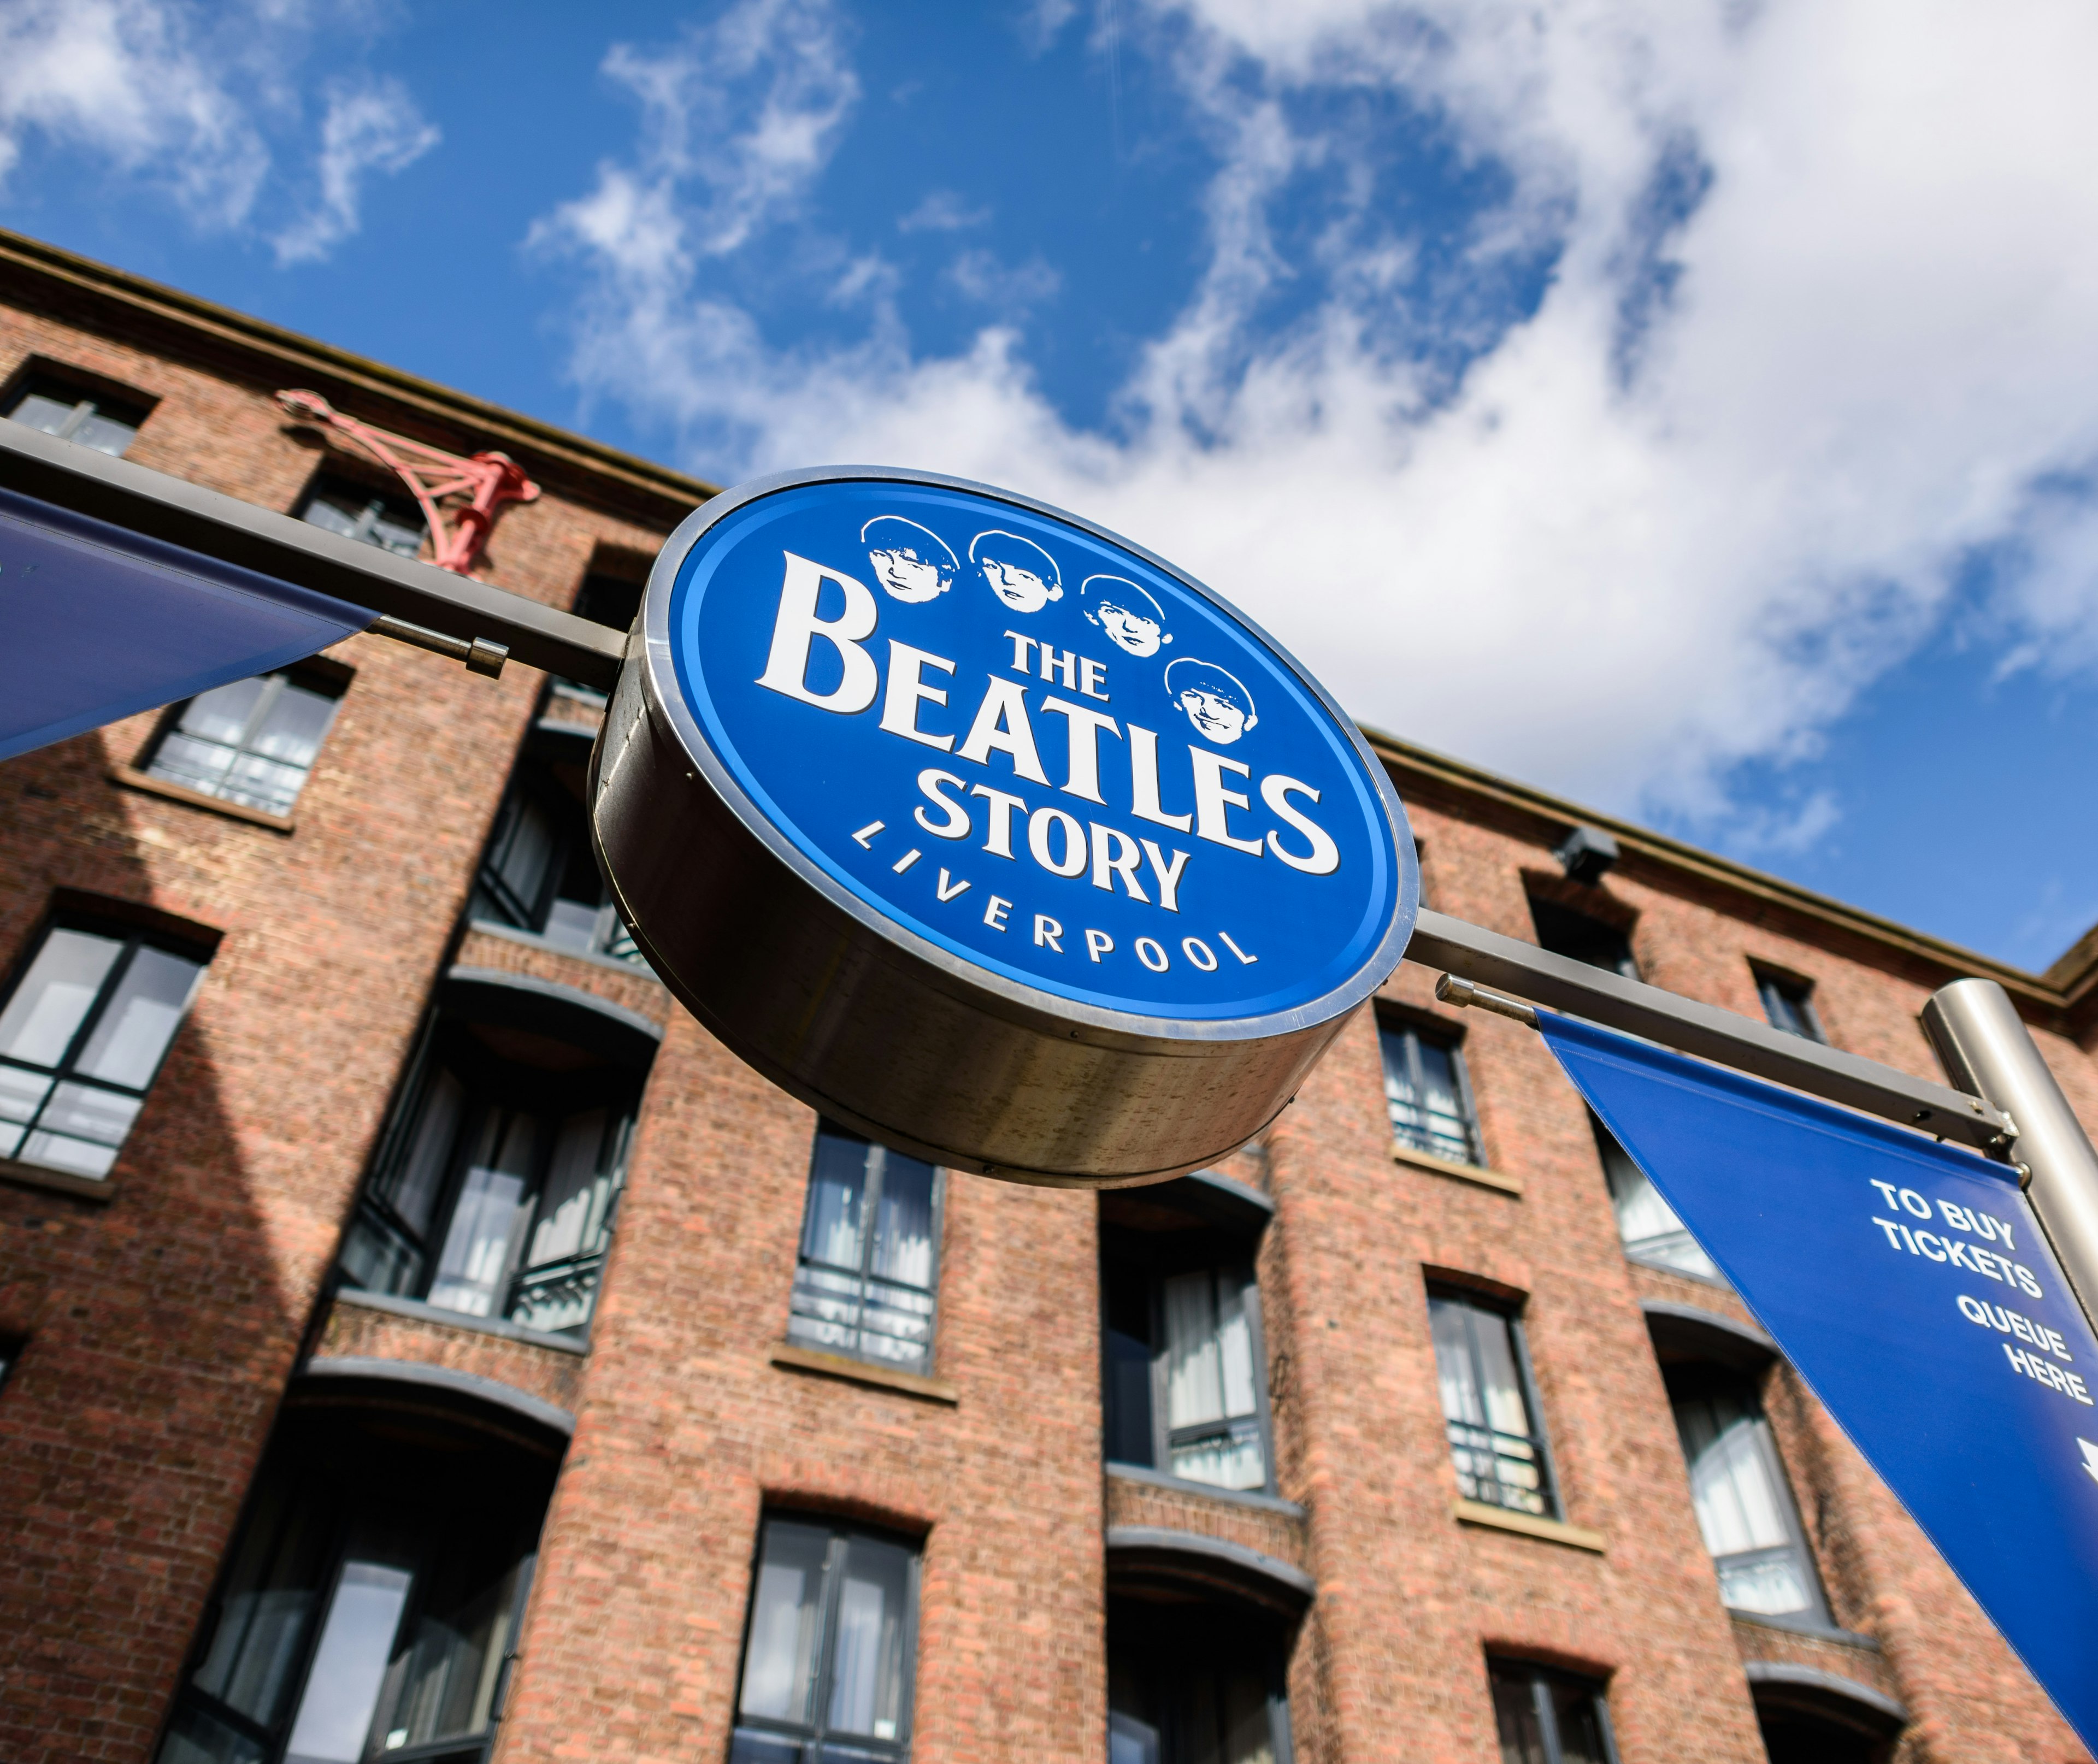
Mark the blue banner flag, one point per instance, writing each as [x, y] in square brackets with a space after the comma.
[97, 623]
[1911, 1286]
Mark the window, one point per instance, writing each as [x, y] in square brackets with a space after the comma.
[1194, 1681]
[1185, 1374]
[867, 1278]
[253, 742]
[81, 1039]
[370, 1606]
[1788, 1004]
[107, 425]
[1427, 1094]
[539, 873]
[603, 599]
[1744, 1503]
[1549, 1717]
[1488, 1407]
[496, 1190]
[831, 1647]
[1581, 937]
[391, 522]
[1650, 1231]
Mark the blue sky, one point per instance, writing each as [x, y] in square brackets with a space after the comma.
[1691, 408]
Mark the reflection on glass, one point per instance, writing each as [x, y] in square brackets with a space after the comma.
[65, 1105]
[342, 1687]
[252, 741]
[779, 1661]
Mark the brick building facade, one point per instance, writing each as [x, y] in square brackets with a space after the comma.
[339, 1421]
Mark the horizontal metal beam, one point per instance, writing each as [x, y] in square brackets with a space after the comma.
[205, 521]
[1508, 964]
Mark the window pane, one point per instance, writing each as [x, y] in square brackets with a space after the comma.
[1194, 1360]
[342, 1688]
[1425, 1105]
[448, 1685]
[20, 1092]
[1772, 1585]
[80, 1130]
[1647, 1223]
[1743, 1511]
[1515, 1715]
[1462, 1398]
[140, 1019]
[412, 1187]
[475, 1261]
[837, 1187]
[222, 714]
[577, 1190]
[904, 1236]
[270, 1598]
[54, 998]
[49, 415]
[294, 726]
[1580, 1726]
[780, 1659]
[104, 434]
[1232, 1460]
[866, 1665]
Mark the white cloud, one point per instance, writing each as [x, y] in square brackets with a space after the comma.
[199, 102]
[942, 211]
[1008, 288]
[133, 83]
[375, 127]
[1727, 471]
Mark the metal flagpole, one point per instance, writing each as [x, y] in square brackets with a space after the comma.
[1985, 1048]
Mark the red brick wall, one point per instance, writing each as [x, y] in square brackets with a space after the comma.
[165, 1325]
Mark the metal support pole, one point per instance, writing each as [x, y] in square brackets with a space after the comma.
[1985, 1047]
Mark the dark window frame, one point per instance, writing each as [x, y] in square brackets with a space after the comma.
[496, 1085]
[1567, 931]
[1785, 996]
[873, 1170]
[1505, 1671]
[1411, 1034]
[813, 1736]
[133, 934]
[535, 788]
[283, 1487]
[91, 397]
[382, 499]
[1477, 1303]
[1175, 1639]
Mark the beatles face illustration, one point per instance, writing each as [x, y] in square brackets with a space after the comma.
[1021, 574]
[911, 562]
[1132, 619]
[1216, 701]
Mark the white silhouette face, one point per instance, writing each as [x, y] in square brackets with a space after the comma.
[906, 575]
[1136, 632]
[1021, 589]
[1218, 719]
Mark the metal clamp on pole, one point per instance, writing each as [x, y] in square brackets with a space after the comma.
[1463, 993]
[1985, 1047]
[480, 655]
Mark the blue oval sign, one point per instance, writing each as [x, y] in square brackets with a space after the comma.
[1044, 753]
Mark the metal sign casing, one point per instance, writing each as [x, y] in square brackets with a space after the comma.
[988, 833]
